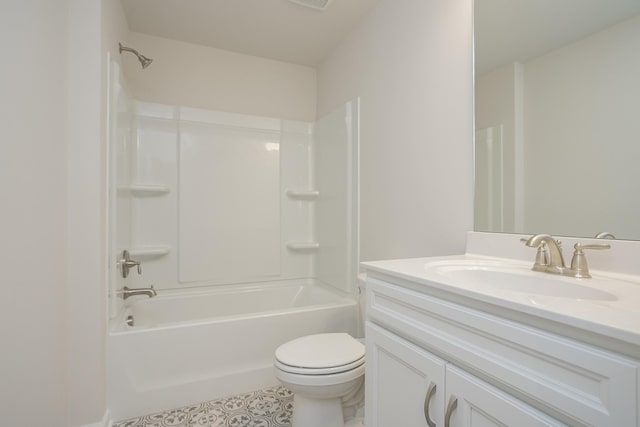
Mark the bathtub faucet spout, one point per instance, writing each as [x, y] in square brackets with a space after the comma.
[126, 292]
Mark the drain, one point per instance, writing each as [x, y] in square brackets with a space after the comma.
[130, 320]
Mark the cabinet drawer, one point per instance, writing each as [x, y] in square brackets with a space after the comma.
[572, 380]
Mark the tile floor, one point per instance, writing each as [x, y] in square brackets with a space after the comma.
[270, 407]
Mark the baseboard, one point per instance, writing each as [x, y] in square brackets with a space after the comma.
[106, 421]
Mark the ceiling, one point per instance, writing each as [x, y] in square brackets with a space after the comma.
[276, 29]
[508, 30]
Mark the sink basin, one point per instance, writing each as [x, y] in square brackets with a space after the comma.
[483, 275]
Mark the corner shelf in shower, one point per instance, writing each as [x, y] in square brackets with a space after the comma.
[303, 246]
[145, 190]
[303, 194]
[149, 251]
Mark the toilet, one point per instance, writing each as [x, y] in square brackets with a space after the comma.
[325, 372]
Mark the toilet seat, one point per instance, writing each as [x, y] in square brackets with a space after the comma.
[318, 371]
[320, 354]
[320, 380]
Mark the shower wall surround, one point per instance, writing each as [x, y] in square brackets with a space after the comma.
[213, 198]
[229, 209]
[121, 123]
[336, 164]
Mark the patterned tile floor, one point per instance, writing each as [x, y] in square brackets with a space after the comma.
[270, 407]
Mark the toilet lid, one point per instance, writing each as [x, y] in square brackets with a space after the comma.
[321, 351]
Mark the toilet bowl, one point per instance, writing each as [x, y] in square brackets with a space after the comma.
[325, 372]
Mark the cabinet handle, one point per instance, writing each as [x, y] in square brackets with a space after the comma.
[451, 406]
[430, 392]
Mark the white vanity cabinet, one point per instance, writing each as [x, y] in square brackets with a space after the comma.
[406, 386]
[404, 383]
[428, 347]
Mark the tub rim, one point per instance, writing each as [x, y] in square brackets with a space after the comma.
[118, 326]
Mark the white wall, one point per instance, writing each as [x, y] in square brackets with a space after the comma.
[51, 179]
[203, 77]
[114, 28]
[579, 100]
[86, 316]
[94, 28]
[410, 63]
[33, 187]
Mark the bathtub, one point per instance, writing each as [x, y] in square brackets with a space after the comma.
[190, 346]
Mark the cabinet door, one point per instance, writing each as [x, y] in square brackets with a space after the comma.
[478, 404]
[399, 376]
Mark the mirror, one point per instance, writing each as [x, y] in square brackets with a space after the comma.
[557, 111]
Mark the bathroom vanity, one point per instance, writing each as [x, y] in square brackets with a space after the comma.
[472, 340]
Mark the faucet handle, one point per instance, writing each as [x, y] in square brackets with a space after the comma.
[597, 246]
[579, 266]
[542, 256]
[126, 263]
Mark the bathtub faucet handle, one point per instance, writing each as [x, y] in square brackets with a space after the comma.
[126, 263]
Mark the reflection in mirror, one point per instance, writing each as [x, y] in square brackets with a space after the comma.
[558, 117]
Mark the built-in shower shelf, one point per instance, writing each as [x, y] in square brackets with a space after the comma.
[146, 190]
[303, 194]
[149, 251]
[303, 246]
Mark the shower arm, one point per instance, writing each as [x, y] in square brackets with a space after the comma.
[127, 49]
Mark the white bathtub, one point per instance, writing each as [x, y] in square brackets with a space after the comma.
[196, 345]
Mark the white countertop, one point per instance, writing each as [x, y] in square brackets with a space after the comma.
[617, 316]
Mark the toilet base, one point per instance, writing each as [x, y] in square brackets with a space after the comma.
[325, 406]
[317, 412]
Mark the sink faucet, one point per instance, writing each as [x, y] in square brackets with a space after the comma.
[127, 292]
[555, 261]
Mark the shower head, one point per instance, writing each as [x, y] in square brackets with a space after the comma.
[144, 61]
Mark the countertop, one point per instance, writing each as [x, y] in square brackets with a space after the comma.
[616, 316]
